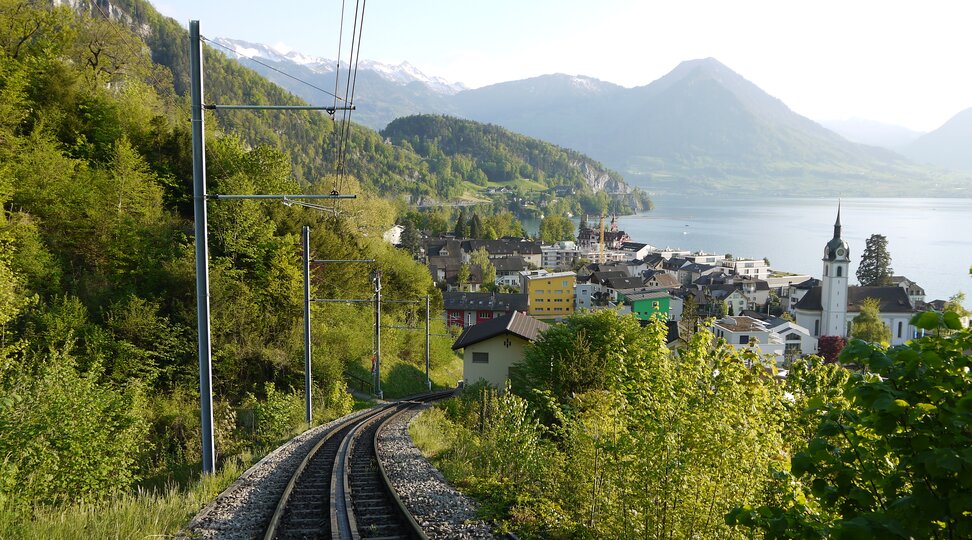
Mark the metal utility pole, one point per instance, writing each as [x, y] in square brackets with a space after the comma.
[307, 327]
[428, 381]
[202, 250]
[377, 278]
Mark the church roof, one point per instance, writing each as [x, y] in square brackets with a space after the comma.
[892, 299]
[836, 243]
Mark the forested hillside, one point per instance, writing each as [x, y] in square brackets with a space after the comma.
[490, 156]
[98, 367]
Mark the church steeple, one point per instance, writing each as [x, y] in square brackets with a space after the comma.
[834, 282]
[837, 223]
[837, 248]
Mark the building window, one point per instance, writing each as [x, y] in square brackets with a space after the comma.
[655, 305]
[840, 271]
[565, 283]
[816, 327]
[744, 339]
[480, 358]
[900, 328]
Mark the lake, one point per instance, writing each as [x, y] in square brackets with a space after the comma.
[928, 239]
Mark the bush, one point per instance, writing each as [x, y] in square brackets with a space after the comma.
[64, 437]
[276, 416]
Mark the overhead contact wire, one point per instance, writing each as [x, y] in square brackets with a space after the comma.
[271, 68]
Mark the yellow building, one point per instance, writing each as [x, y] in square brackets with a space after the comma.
[549, 294]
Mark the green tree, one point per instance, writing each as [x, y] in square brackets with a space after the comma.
[411, 239]
[868, 326]
[476, 228]
[461, 230]
[463, 276]
[875, 267]
[891, 459]
[481, 257]
[555, 228]
[955, 305]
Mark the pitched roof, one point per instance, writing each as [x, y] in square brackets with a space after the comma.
[509, 264]
[623, 283]
[646, 295]
[515, 323]
[503, 247]
[484, 301]
[604, 275]
[891, 299]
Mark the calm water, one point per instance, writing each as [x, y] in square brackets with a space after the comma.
[928, 239]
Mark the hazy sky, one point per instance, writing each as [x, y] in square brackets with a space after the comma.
[907, 63]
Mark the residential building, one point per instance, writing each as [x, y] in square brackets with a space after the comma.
[780, 339]
[490, 349]
[647, 305]
[560, 255]
[915, 292]
[466, 309]
[550, 294]
[529, 250]
[754, 268]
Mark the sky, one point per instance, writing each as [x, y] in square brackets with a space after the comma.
[904, 63]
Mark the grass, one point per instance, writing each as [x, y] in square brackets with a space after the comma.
[400, 378]
[140, 514]
[431, 431]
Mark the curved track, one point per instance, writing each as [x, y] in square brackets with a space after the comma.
[340, 491]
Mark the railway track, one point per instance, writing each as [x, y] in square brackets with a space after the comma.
[340, 491]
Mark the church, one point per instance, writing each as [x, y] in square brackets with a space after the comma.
[827, 310]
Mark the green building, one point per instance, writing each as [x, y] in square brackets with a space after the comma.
[646, 305]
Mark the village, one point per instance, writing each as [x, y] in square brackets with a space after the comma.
[501, 294]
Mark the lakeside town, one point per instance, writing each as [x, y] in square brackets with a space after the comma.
[495, 289]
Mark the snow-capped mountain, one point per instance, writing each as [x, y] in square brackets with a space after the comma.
[402, 74]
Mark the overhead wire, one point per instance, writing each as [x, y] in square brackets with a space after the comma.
[268, 66]
[337, 77]
[355, 54]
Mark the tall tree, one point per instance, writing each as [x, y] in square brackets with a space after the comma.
[555, 228]
[411, 239]
[875, 268]
[868, 324]
[481, 257]
[476, 228]
[461, 229]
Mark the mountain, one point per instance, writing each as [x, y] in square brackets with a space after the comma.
[382, 92]
[873, 133]
[701, 127]
[698, 128]
[949, 146]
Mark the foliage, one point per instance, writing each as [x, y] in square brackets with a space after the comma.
[868, 326]
[955, 305]
[890, 461]
[829, 347]
[635, 441]
[487, 155]
[480, 257]
[65, 437]
[875, 267]
[555, 228]
[98, 361]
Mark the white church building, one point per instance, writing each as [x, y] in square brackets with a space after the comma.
[828, 310]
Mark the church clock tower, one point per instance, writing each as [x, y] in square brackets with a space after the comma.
[833, 290]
